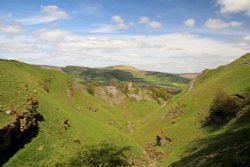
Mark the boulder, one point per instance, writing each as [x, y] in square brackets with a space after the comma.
[10, 112]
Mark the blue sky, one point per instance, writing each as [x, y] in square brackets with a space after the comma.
[160, 35]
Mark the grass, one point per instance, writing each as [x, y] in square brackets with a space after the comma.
[129, 123]
[233, 78]
[61, 97]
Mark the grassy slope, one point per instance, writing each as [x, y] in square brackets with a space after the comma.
[126, 73]
[64, 99]
[233, 78]
[148, 118]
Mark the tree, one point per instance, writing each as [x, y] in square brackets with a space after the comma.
[103, 155]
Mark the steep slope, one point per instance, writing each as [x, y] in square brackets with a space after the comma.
[182, 120]
[71, 117]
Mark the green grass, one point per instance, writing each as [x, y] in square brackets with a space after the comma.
[233, 78]
[61, 97]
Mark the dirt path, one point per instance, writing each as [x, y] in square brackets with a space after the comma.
[192, 84]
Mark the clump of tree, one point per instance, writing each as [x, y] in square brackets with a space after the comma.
[223, 108]
[102, 155]
[91, 87]
[158, 92]
[123, 86]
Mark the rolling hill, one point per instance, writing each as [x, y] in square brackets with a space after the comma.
[52, 116]
[127, 74]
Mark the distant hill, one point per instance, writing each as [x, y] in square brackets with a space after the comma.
[126, 73]
[189, 75]
[129, 81]
[50, 67]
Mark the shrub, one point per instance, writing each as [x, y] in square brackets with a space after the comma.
[121, 85]
[91, 87]
[102, 155]
[223, 108]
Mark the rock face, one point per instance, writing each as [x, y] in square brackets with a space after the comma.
[21, 131]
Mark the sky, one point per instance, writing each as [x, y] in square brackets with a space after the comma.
[176, 36]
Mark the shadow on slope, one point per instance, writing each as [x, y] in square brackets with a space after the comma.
[14, 136]
[230, 148]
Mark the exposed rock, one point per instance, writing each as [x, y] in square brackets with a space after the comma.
[165, 141]
[69, 92]
[158, 141]
[95, 109]
[10, 112]
[247, 63]
[26, 87]
[130, 127]
[66, 124]
[112, 91]
[77, 141]
[14, 135]
[240, 96]
[40, 148]
[136, 97]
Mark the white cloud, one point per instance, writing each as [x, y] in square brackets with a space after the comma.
[247, 38]
[17, 44]
[10, 29]
[49, 14]
[150, 23]
[119, 23]
[190, 22]
[234, 6]
[155, 24]
[175, 53]
[54, 11]
[104, 28]
[52, 35]
[220, 24]
[144, 20]
[235, 24]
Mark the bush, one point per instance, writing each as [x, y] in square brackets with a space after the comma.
[103, 155]
[159, 92]
[121, 85]
[91, 87]
[223, 108]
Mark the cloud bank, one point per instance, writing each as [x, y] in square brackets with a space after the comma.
[176, 53]
[234, 6]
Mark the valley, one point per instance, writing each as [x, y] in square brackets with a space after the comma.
[73, 107]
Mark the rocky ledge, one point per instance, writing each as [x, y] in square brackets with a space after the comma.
[19, 132]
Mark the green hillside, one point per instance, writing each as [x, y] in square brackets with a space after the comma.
[126, 73]
[129, 81]
[191, 140]
[60, 98]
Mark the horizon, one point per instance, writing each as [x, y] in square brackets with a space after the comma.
[171, 36]
[54, 66]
